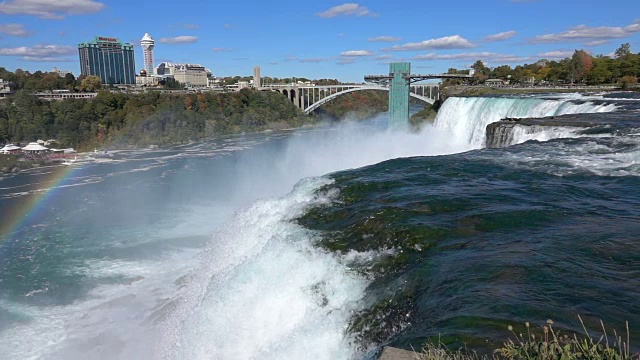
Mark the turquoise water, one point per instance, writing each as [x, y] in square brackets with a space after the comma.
[328, 242]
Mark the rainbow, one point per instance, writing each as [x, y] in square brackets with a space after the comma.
[27, 209]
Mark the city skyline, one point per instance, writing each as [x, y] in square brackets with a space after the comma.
[328, 39]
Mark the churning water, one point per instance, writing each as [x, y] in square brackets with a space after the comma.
[325, 243]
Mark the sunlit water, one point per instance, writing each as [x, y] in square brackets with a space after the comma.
[254, 247]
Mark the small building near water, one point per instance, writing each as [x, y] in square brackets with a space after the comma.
[34, 148]
[10, 149]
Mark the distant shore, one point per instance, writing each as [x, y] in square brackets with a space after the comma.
[482, 90]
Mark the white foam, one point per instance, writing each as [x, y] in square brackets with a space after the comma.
[264, 291]
[466, 119]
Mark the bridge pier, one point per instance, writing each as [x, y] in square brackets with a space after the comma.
[399, 95]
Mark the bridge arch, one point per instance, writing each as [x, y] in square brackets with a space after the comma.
[325, 100]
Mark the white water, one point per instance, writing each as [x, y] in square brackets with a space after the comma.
[260, 289]
[465, 120]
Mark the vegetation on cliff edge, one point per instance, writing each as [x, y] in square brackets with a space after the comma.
[138, 120]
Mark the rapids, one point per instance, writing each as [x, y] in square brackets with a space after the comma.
[324, 243]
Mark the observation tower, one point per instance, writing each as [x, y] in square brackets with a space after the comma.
[148, 43]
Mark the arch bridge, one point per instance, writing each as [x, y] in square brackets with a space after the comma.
[400, 84]
[309, 98]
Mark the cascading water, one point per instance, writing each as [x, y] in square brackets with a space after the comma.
[465, 119]
[262, 286]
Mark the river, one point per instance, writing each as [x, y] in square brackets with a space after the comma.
[328, 242]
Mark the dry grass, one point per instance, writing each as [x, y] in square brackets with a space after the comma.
[544, 343]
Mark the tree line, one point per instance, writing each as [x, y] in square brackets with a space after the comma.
[581, 68]
[143, 119]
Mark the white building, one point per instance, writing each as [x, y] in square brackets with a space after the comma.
[61, 73]
[194, 75]
[148, 44]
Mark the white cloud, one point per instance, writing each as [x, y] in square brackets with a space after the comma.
[596, 43]
[584, 33]
[221, 49]
[14, 30]
[47, 59]
[39, 50]
[346, 10]
[353, 53]
[484, 56]
[557, 54]
[500, 36]
[185, 39]
[447, 42]
[48, 9]
[384, 39]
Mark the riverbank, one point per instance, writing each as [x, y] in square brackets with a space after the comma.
[543, 342]
[450, 91]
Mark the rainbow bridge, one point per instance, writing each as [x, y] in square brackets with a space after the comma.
[400, 84]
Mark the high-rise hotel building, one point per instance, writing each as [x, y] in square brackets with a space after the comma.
[108, 59]
[148, 44]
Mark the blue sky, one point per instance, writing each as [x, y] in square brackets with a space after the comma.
[318, 39]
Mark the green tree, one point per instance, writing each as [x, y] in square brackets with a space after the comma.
[90, 84]
[623, 51]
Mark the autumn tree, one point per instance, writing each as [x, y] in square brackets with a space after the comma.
[580, 65]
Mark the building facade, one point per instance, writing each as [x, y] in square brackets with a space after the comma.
[187, 74]
[109, 59]
[148, 44]
[61, 73]
[256, 77]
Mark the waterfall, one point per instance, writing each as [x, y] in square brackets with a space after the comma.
[466, 119]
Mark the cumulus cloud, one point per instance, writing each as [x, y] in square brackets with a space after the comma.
[447, 42]
[46, 59]
[355, 53]
[40, 52]
[584, 33]
[472, 56]
[47, 9]
[347, 9]
[500, 36]
[384, 39]
[185, 39]
[557, 54]
[596, 43]
[14, 30]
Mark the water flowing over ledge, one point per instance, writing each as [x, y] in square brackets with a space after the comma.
[466, 119]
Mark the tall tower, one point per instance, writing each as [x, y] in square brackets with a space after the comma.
[256, 77]
[399, 95]
[147, 48]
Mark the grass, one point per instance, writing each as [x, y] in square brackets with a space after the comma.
[545, 343]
